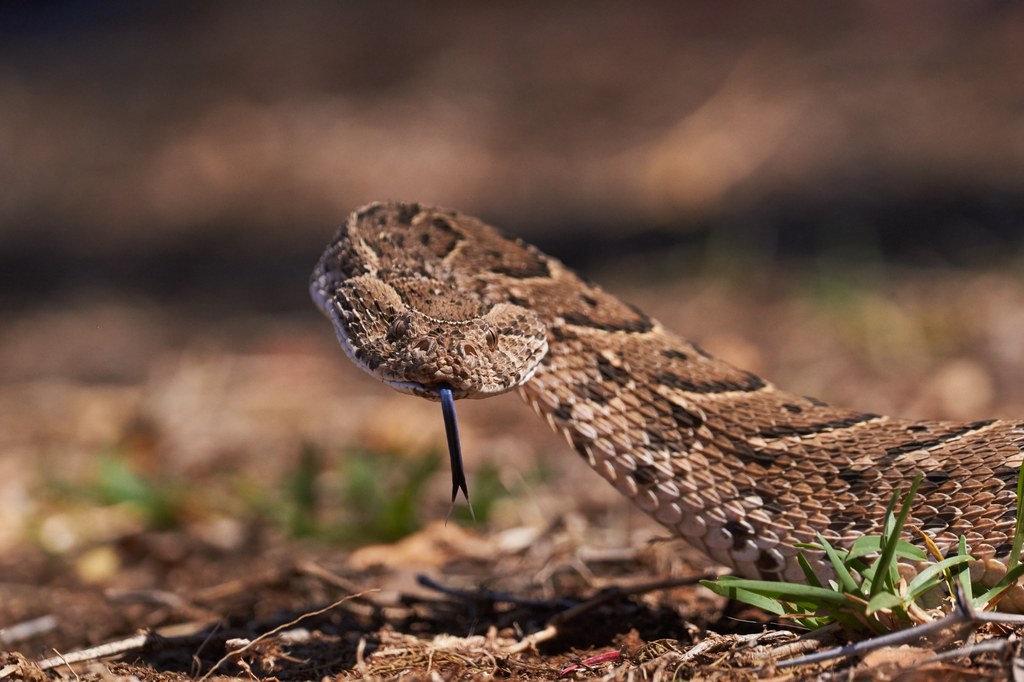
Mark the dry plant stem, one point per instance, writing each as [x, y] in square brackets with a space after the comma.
[718, 643]
[714, 643]
[139, 641]
[27, 629]
[93, 653]
[963, 615]
[809, 642]
[315, 570]
[989, 646]
[279, 628]
[122, 646]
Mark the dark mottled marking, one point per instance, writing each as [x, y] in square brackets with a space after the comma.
[370, 211]
[638, 325]
[941, 521]
[589, 300]
[779, 430]
[701, 352]
[912, 445]
[558, 333]
[656, 437]
[597, 393]
[851, 476]
[674, 354]
[563, 411]
[1009, 515]
[750, 382]
[917, 428]
[610, 372]
[862, 525]
[839, 523]
[686, 419]
[645, 476]
[740, 533]
[1008, 475]
[933, 523]
[579, 443]
[536, 266]
[766, 563]
[937, 477]
[790, 407]
[1004, 549]
[406, 212]
[748, 455]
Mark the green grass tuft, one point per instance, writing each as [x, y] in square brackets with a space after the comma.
[866, 593]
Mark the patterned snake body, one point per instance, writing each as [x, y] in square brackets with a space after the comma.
[424, 297]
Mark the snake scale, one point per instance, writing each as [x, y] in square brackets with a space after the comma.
[425, 298]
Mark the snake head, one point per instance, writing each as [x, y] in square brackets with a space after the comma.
[418, 334]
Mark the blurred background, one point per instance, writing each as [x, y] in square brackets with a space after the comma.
[830, 195]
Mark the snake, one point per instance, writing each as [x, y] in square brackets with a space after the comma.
[441, 305]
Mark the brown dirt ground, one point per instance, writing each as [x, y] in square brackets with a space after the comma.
[151, 489]
[176, 465]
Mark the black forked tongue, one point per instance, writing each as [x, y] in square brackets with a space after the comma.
[451, 430]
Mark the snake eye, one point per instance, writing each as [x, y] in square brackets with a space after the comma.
[398, 328]
[491, 338]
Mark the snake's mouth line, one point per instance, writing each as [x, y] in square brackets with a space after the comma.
[428, 391]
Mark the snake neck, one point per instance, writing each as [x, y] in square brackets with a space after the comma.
[745, 472]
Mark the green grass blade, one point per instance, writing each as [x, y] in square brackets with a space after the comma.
[1018, 529]
[886, 564]
[809, 575]
[870, 544]
[843, 575]
[883, 601]
[963, 572]
[930, 576]
[790, 592]
[746, 596]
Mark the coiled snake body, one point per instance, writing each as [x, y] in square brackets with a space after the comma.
[424, 298]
